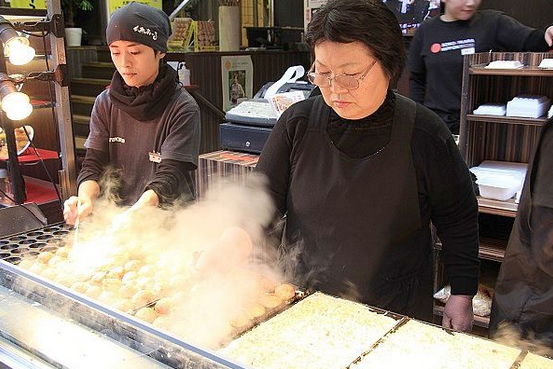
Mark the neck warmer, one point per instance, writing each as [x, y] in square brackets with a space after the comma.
[146, 102]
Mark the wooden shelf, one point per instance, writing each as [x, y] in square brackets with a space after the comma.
[526, 71]
[481, 321]
[504, 208]
[492, 249]
[507, 120]
[489, 248]
[30, 156]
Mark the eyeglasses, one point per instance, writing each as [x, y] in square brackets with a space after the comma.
[343, 80]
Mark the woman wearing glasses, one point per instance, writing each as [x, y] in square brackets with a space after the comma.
[360, 172]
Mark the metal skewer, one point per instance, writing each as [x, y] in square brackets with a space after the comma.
[76, 226]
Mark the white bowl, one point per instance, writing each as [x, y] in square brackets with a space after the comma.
[27, 143]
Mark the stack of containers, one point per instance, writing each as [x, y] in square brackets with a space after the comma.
[528, 106]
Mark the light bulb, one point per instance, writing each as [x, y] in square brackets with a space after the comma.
[17, 106]
[19, 51]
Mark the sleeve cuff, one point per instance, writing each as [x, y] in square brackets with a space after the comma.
[464, 286]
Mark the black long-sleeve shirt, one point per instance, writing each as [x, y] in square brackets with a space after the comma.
[444, 184]
[437, 50]
[169, 174]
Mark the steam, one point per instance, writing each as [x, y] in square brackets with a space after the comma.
[154, 257]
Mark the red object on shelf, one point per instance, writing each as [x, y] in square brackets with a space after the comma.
[30, 156]
[39, 193]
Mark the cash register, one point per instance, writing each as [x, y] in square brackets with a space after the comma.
[249, 124]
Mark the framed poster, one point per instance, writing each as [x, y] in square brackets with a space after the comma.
[237, 80]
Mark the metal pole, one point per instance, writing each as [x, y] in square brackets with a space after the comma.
[178, 9]
[18, 185]
[68, 174]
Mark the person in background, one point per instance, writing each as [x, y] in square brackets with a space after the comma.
[146, 125]
[437, 50]
[524, 287]
[360, 172]
[236, 90]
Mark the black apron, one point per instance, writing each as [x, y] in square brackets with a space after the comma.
[524, 286]
[356, 222]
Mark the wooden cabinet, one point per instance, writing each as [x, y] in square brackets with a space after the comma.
[500, 138]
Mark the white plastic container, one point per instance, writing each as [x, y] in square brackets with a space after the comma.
[493, 172]
[491, 109]
[528, 106]
[184, 74]
[498, 187]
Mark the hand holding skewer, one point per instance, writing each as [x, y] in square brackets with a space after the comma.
[76, 208]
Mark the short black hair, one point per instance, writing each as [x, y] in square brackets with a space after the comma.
[370, 22]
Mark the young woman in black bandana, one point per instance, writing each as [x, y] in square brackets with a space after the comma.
[437, 50]
[146, 126]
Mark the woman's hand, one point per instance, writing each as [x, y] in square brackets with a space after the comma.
[458, 314]
[76, 208]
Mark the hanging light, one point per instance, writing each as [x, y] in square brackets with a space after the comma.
[16, 47]
[17, 105]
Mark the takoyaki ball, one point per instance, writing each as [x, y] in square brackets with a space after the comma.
[107, 265]
[240, 321]
[133, 265]
[65, 279]
[26, 263]
[128, 290]
[55, 260]
[144, 283]
[44, 257]
[179, 282]
[142, 298]
[151, 259]
[270, 301]
[129, 277]
[49, 273]
[159, 289]
[108, 297]
[98, 277]
[62, 252]
[163, 276]
[116, 272]
[179, 296]
[93, 291]
[163, 322]
[164, 306]
[267, 284]
[147, 271]
[256, 311]
[37, 267]
[285, 291]
[111, 284]
[146, 314]
[79, 287]
[123, 305]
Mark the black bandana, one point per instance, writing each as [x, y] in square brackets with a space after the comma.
[146, 102]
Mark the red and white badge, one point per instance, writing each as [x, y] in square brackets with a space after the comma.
[155, 157]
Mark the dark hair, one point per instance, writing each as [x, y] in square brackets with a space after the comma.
[367, 21]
